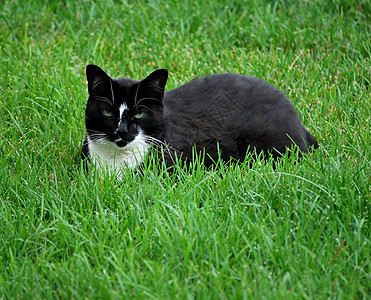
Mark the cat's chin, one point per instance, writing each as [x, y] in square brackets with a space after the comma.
[121, 144]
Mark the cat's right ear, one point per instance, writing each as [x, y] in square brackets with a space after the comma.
[155, 83]
[98, 80]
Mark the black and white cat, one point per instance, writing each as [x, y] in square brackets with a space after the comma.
[225, 115]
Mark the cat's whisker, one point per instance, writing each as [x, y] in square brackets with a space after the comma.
[104, 99]
[165, 152]
[148, 98]
[98, 137]
[158, 142]
[146, 107]
[137, 105]
[93, 131]
[94, 136]
[113, 96]
[136, 94]
[162, 147]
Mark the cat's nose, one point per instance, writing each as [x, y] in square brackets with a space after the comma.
[122, 128]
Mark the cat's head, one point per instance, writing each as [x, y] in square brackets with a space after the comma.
[119, 109]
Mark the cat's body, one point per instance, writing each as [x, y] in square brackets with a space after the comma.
[228, 114]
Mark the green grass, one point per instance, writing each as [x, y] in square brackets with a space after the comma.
[298, 232]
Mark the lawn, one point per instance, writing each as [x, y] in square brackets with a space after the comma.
[300, 231]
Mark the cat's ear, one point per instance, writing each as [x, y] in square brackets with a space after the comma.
[151, 91]
[98, 81]
[155, 82]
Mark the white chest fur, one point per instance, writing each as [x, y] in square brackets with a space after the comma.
[109, 156]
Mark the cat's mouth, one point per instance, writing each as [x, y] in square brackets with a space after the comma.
[121, 143]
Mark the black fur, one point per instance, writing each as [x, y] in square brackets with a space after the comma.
[230, 113]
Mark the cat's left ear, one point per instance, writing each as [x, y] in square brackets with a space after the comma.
[98, 81]
[155, 82]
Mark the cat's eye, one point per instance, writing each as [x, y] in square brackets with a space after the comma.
[139, 116]
[107, 113]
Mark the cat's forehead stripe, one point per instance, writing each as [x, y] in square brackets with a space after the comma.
[122, 108]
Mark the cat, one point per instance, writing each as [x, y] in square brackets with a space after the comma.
[224, 115]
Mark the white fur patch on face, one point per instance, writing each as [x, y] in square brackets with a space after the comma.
[122, 108]
[108, 156]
